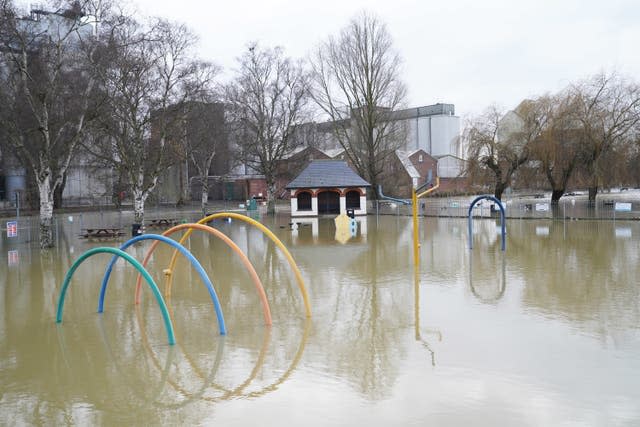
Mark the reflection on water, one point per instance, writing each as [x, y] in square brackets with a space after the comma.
[487, 288]
[545, 333]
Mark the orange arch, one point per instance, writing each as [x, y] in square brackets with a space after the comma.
[265, 231]
[252, 272]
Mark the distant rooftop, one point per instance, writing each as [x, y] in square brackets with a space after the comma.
[405, 114]
[327, 174]
[427, 110]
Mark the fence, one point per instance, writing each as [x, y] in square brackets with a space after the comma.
[614, 206]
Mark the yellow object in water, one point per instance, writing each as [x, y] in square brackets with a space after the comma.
[343, 228]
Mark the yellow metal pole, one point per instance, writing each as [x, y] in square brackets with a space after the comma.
[435, 187]
[416, 226]
[416, 253]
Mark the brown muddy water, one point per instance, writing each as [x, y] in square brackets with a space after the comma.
[547, 333]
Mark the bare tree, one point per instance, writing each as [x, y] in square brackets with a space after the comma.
[607, 108]
[205, 138]
[356, 78]
[267, 100]
[498, 144]
[46, 91]
[146, 75]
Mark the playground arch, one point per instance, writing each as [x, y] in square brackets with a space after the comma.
[503, 226]
[178, 247]
[245, 261]
[118, 253]
[265, 231]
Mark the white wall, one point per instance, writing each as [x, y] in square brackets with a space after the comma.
[445, 131]
[314, 205]
[437, 135]
[449, 167]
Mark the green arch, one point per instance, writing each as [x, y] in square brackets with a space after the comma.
[154, 288]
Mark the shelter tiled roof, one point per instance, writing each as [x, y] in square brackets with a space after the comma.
[327, 174]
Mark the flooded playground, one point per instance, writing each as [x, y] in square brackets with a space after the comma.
[545, 333]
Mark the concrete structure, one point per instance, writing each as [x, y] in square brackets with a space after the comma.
[328, 187]
[12, 179]
[64, 26]
[87, 184]
[432, 128]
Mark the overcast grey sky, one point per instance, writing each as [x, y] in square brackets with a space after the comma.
[471, 53]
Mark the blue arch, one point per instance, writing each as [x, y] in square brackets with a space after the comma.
[118, 253]
[503, 225]
[187, 254]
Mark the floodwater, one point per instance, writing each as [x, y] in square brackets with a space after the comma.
[547, 333]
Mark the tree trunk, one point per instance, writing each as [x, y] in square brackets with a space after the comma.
[183, 184]
[46, 212]
[373, 195]
[593, 191]
[271, 200]
[139, 197]
[205, 196]
[57, 194]
[555, 196]
[498, 190]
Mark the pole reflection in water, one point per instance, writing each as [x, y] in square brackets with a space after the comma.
[418, 327]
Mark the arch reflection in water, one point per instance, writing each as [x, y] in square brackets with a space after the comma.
[153, 398]
[486, 294]
[110, 355]
[189, 396]
[208, 380]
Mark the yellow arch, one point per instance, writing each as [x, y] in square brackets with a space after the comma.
[267, 232]
[252, 272]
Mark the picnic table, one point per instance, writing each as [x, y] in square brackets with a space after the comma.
[101, 232]
[162, 222]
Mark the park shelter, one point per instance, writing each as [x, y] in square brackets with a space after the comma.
[328, 187]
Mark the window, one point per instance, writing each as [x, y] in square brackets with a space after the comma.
[420, 158]
[353, 199]
[304, 201]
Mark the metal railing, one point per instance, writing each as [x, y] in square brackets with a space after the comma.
[606, 207]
